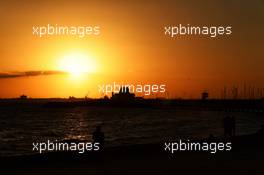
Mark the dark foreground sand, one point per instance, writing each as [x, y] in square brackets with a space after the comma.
[246, 158]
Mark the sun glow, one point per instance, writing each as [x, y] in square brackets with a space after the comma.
[77, 64]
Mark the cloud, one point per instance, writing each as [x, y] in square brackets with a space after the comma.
[28, 74]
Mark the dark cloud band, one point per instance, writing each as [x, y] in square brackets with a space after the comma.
[29, 74]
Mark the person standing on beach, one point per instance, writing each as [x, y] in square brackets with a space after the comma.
[98, 137]
[228, 128]
[233, 126]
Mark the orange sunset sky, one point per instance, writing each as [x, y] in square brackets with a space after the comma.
[131, 47]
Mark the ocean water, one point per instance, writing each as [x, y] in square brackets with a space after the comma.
[21, 125]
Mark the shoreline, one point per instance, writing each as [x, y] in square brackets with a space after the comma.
[229, 105]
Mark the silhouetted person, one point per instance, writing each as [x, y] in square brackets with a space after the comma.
[233, 125]
[98, 137]
[227, 124]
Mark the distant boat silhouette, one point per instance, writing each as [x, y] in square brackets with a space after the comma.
[123, 96]
[23, 97]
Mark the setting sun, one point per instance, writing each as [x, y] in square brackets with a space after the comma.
[77, 64]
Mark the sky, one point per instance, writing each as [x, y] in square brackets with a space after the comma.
[131, 47]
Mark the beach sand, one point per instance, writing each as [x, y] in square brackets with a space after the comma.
[246, 158]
